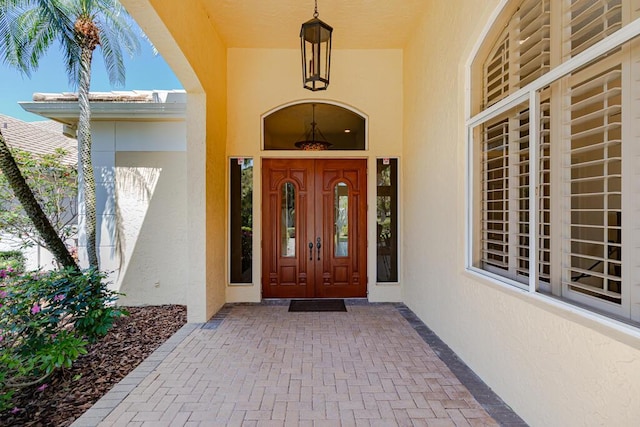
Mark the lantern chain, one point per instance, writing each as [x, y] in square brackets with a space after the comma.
[315, 11]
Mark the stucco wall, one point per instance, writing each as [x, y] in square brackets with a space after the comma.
[555, 365]
[369, 81]
[153, 231]
[193, 48]
[142, 221]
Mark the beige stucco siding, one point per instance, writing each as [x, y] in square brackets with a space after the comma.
[554, 367]
[152, 206]
[260, 80]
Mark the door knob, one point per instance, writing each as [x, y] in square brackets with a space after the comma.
[318, 246]
[310, 251]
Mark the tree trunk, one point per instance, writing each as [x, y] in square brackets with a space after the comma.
[84, 144]
[30, 205]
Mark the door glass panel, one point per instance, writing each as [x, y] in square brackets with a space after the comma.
[288, 221]
[341, 219]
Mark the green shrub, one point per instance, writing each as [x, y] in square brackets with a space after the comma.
[46, 321]
[12, 259]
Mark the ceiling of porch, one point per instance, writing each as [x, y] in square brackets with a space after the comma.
[357, 24]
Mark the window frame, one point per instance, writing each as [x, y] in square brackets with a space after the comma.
[530, 93]
[397, 237]
[229, 230]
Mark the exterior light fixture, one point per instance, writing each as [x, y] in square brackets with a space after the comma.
[310, 143]
[315, 43]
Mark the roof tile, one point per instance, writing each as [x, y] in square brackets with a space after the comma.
[42, 137]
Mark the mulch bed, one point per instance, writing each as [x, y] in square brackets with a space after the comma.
[70, 392]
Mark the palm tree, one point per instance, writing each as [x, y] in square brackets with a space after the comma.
[79, 26]
[17, 182]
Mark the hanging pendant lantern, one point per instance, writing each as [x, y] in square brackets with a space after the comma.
[315, 43]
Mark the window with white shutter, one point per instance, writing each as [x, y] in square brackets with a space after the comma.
[548, 185]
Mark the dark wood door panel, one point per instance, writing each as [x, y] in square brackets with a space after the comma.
[341, 269]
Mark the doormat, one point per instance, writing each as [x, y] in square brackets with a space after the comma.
[299, 305]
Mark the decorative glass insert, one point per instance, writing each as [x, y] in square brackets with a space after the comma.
[288, 220]
[341, 219]
[387, 220]
[241, 220]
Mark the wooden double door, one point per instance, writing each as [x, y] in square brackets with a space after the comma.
[314, 228]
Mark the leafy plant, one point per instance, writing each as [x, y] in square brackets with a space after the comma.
[54, 184]
[12, 260]
[47, 320]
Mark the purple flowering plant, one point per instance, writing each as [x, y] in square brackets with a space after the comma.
[47, 320]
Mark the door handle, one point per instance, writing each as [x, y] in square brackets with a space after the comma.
[310, 251]
[318, 246]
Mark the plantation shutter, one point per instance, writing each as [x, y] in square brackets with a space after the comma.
[595, 185]
[521, 55]
[591, 21]
[533, 35]
[495, 203]
[544, 192]
[521, 239]
[594, 242]
[496, 73]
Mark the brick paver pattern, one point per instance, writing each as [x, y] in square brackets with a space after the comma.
[264, 366]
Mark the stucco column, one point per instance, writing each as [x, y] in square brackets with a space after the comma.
[196, 209]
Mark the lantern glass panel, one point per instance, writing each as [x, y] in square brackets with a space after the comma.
[315, 38]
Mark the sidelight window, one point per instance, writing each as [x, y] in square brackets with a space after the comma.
[241, 220]
[387, 220]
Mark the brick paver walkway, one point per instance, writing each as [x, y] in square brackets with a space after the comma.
[264, 366]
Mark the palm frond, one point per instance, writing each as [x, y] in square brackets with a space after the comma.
[117, 34]
[113, 58]
[40, 36]
[144, 37]
[13, 38]
[28, 28]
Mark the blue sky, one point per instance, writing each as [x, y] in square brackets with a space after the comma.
[144, 72]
